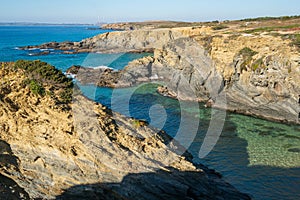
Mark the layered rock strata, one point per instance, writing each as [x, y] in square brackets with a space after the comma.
[83, 150]
[253, 74]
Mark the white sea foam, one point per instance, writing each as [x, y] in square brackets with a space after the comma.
[70, 75]
[102, 67]
[32, 49]
[46, 49]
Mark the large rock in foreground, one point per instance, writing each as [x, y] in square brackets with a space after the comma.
[53, 149]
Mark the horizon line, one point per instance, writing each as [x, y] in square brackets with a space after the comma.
[145, 20]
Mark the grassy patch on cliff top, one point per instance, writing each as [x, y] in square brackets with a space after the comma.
[295, 40]
[272, 18]
[294, 37]
[219, 27]
[272, 28]
[41, 75]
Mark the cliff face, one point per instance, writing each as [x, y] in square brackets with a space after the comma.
[246, 67]
[114, 42]
[250, 74]
[149, 25]
[83, 150]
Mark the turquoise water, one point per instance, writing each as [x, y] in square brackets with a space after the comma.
[258, 157]
[13, 37]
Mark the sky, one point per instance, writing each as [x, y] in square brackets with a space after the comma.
[93, 11]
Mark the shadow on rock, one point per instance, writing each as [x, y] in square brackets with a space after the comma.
[162, 184]
[9, 189]
[6, 156]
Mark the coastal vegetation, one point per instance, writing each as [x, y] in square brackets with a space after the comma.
[44, 78]
[264, 48]
[219, 27]
[258, 64]
[272, 28]
[271, 18]
[36, 87]
[60, 143]
[79, 144]
[247, 56]
[247, 52]
[295, 40]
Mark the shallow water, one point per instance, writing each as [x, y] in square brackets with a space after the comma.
[258, 157]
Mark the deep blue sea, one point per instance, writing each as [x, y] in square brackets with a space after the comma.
[258, 157]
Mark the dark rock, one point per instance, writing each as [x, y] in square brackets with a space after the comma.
[171, 184]
[294, 150]
[10, 190]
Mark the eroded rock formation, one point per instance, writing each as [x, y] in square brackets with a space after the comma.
[256, 75]
[82, 150]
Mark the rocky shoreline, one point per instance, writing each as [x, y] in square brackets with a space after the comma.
[52, 147]
[83, 150]
[253, 74]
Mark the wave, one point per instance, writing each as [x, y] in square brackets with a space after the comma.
[46, 49]
[102, 67]
[32, 49]
[70, 75]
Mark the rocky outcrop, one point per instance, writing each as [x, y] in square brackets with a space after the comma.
[270, 91]
[113, 42]
[207, 64]
[100, 76]
[129, 26]
[263, 84]
[88, 151]
[180, 63]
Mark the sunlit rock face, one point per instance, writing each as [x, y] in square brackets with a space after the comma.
[54, 149]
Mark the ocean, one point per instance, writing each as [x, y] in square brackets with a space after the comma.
[256, 156]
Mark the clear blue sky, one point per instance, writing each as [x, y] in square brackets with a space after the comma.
[92, 11]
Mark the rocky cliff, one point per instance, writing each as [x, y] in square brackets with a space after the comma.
[258, 74]
[55, 148]
[149, 25]
[250, 67]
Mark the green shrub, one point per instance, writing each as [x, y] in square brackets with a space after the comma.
[41, 71]
[246, 52]
[258, 64]
[66, 95]
[219, 27]
[247, 55]
[40, 75]
[139, 123]
[36, 88]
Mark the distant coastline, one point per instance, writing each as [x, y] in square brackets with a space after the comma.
[45, 24]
